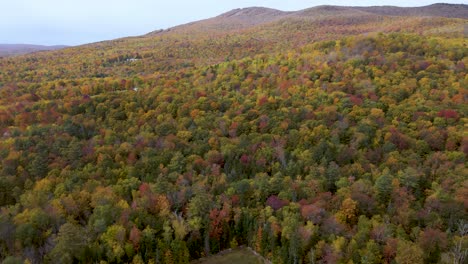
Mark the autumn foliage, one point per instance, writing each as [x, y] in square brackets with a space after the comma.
[327, 149]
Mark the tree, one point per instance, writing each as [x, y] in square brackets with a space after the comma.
[383, 186]
[433, 241]
[409, 253]
[71, 244]
[348, 210]
[135, 237]
[198, 211]
[371, 254]
[114, 240]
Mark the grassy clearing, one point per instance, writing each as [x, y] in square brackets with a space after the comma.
[236, 256]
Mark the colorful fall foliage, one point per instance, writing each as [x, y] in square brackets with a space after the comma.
[310, 145]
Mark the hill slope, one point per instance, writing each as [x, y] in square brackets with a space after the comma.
[329, 135]
[435, 10]
[224, 37]
[248, 17]
[18, 49]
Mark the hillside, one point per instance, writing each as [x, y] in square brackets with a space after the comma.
[218, 39]
[326, 135]
[18, 49]
[247, 17]
[435, 10]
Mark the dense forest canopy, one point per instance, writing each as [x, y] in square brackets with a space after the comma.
[325, 140]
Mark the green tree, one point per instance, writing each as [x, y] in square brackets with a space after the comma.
[71, 244]
[383, 186]
[409, 253]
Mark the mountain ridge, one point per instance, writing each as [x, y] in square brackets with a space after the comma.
[20, 49]
[228, 36]
[256, 10]
[438, 9]
[241, 18]
[427, 10]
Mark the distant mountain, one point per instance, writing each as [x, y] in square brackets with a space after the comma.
[242, 18]
[260, 14]
[237, 34]
[436, 10]
[18, 49]
[238, 18]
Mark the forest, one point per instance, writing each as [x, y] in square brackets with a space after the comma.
[341, 144]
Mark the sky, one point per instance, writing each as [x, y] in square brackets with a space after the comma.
[75, 22]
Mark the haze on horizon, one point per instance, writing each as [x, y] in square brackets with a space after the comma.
[69, 22]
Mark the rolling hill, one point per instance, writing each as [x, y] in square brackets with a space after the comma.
[19, 49]
[327, 135]
[248, 17]
[435, 10]
[233, 35]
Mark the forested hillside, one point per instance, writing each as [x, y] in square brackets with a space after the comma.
[311, 139]
[18, 49]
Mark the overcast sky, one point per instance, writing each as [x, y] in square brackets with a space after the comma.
[73, 22]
